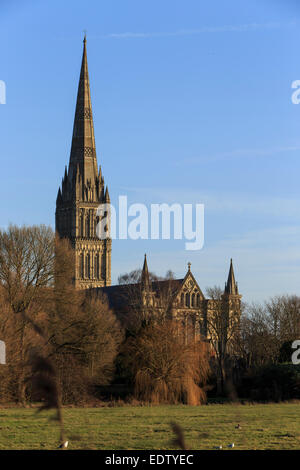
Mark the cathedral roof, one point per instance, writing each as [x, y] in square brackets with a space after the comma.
[117, 294]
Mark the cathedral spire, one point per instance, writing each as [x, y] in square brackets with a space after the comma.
[145, 280]
[231, 286]
[83, 150]
[81, 192]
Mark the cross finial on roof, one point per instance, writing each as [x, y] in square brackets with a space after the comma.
[189, 266]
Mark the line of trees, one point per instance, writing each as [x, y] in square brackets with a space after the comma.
[257, 346]
[43, 316]
[52, 329]
[269, 329]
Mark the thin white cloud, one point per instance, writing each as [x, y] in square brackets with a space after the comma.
[205, 29]
[218, 202]
[240, 153]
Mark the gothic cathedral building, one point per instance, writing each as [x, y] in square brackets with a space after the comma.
[81, 192]
[78, 198]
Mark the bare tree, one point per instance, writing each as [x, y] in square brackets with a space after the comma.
[18, 351]
[259, 344]
[166, 368]
[135, 302]
[223, 324]
[26, 263]
[145, 300]
[283, 313]
[266, 327]
[83, 332]
[26, 269]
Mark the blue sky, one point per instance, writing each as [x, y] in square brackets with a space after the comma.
[191, 102]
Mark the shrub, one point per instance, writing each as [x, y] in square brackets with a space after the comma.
[166, 368]
[277, 383]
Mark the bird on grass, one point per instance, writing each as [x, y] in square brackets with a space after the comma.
[64, 445]
[238, 426]
[231, 446]
[218, 448]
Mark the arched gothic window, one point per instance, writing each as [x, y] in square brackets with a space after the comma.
[87, 266]
[81, 226]
[103, 265]
[97, 270]
[93, 226]
[87, 223]
[81, 266]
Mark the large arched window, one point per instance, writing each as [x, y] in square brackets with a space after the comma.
[91, 223]
[193, 300]
[81, 226]
[187, 299]
[198, 300]
[103, 265]
[81, 266]
[87, 225]
[182, 300]
[87, 266]
[96, 269]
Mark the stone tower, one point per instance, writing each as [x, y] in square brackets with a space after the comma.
[81, 192]
[232, 301]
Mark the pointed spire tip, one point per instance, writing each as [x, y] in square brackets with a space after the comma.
[231, 284]
[145, 274]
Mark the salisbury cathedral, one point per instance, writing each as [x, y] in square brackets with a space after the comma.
[81, 192]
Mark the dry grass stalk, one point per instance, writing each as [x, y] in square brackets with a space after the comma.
[178, 440]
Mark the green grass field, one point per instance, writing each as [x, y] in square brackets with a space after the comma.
[271, 426]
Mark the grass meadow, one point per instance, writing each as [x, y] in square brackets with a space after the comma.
[263, 426]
